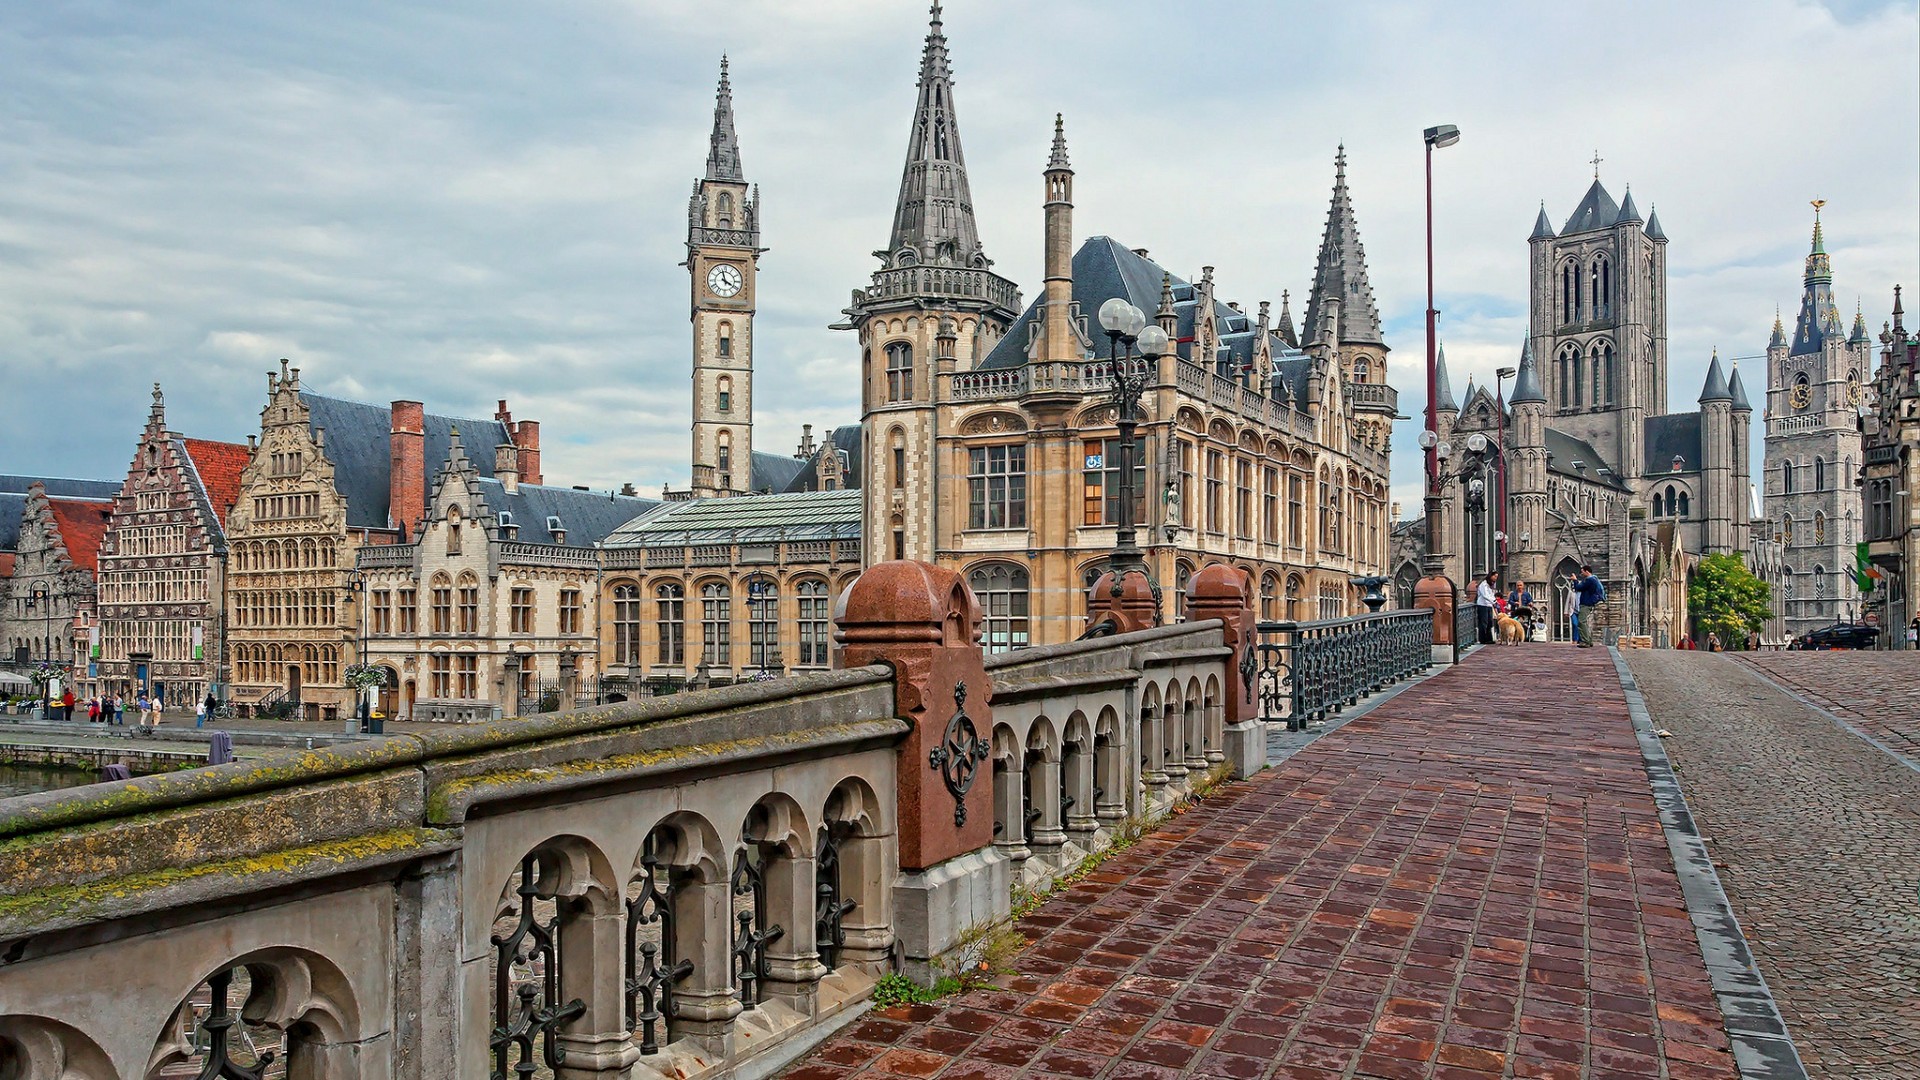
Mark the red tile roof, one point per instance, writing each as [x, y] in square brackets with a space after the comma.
[82, 523]
[219, 465]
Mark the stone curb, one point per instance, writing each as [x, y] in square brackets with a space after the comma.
[1842, 722]
[1762, 1047]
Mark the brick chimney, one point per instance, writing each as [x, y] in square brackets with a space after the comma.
[407, 475]
[526, 435]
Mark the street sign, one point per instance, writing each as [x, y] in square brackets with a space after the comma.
[1873, 618]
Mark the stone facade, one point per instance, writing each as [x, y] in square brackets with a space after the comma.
[989, 437]
[47, 610]
[1813, 454]
[1890, 477]
[491, 612]
[723, 254]
[162, 566]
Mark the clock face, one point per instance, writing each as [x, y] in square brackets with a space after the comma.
[724, 280]
[1802, 394]
[1853, 392]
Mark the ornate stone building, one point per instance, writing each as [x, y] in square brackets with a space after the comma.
[989, 439]
[714, 591]
[162, 565]
[329, 476]
[47, 609]
[1813, 449]
[1585, 464]
[1890, 478]
[491, 610]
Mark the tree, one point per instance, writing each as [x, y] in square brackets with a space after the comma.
[1727, 601]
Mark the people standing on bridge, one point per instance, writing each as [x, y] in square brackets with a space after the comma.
[144, 705]
[1588, 593]
[1483, 609]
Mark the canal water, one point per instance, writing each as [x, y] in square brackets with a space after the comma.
[26, 779]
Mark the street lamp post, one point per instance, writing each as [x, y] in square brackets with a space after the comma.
[1439, 136]
[1127, 327]
[43, 599]
[1500, 377]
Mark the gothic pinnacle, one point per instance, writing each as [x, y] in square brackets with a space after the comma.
[1059, 159]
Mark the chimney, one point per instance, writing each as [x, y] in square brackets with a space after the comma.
[320, 438]
[407, 472]
[506, 467]
[629, 490]
[253, 443]
[526, 436]
[806, 442]
[501, 414]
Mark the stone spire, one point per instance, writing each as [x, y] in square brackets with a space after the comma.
[1859, 336]
[1285, 327]
[1628, 211]
[1716, 388]
[1443, 392]
[1526, 383]
[1738, 391]
[1542, 228]
[1779, 331]
[1818, 317]
[1654, 232]
[1340, 274]
[1059, 158]
[934, 216]
[723, 146]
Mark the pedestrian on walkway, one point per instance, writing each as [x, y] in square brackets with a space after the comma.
[1589, 594]
[93, 710]
[66, 705]
[200, 715]
[1483, 609]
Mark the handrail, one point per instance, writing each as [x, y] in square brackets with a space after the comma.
[1310, 671]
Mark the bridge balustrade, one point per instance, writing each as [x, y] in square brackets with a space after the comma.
[1309, 671]
[672, 887]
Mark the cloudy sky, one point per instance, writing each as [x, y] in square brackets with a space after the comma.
[461, 202]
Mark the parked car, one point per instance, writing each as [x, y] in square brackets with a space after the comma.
[1838, 636]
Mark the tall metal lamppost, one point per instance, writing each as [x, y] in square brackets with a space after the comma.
[1126, 328]
[43, 599]
[1442, 135]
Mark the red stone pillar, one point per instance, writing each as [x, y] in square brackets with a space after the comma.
[1126, 609]
[1219, 592]
[1435, 592]
[922, 621]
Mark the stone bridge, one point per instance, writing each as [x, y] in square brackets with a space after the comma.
[681, 887]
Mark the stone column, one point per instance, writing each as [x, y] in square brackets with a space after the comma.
[793, 961]
[923, 622]
[1043, 789]
[592, 940]
[1218, 592]
[704, 1005]
[510, 684]
[867, 870]
[569, 680]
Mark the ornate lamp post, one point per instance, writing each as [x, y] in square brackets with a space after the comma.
[1439, 136]
[1126, 327]
[43, 600]
[761, 591]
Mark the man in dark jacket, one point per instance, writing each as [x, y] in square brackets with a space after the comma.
[1590, 592]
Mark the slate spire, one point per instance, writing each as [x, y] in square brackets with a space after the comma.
[723, 146]
[1818, 316]
[1628, 211]
[1443, 390]
[1859, 336]
[1526, 383]
[934, 215]
[1738, 391]
[1340, 273]
[1542, 228]
[1716, 388]
[1654, 232]
[1779, 331]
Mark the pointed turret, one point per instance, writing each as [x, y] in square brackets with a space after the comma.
[1654, 231]
[1818, 317]
[1628, 212]
[1779, 338]
[1526, 383]
[723, 146]
[1167, 317]
[1285, 327]
[1340, 274]
[1542, 228]
[934, 216]
[1859, 336]
[1738, 391]
[1716, 387]
[1443, 390]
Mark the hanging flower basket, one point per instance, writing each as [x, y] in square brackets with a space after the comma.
[364, 677]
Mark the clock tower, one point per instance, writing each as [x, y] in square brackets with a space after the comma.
[723, 253]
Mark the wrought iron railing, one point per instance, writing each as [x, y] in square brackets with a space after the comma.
[1309, 671]
[1466, 629]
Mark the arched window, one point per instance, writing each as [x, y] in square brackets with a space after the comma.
[1819, 527]
[469, 603]
[763, 623]
[724, 210]
[1269, 596]
[899, 371]
[670, 616]
[1671, 504]
[626, 623]
[1566, 375]
[1786, 529]
[724, 346]
[1820, 581]
[1786, 478]
[1608, 391]
[723, 456]
[1819, 474]
[897, 459]
[440, 601]
[1599, 377]
[1296, 587]
[1786, 583]
[1002, 592]
[716, 624]
[724, 393]
[1600, 288]
[1361, 369]
[816, 624]
[1569, 293]
[1579, 377]
[1684, 508]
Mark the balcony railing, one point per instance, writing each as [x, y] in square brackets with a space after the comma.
[385, 556]
[943, 281]
[1373, 397]
[1309, 671]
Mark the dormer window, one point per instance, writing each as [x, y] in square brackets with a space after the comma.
[554, 525]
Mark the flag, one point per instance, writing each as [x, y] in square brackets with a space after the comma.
[1863, 571]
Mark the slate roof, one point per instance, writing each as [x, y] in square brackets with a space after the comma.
[1628, 211]
[1738, 391]
[805, 515]
[359, 443]
[1564, 449]
[218, 466]
[12, 506]
[1526, 384]
[58, 487]
[1104, 268]
[1715, 388]
[1340, 272]
[1654, 232]
[587, 516]
[1443, 389]
[1290, 375]
[1542, 228]
[1666, 436]
[82, 524]
[846, 440]
[774, 472]
[1596, 211]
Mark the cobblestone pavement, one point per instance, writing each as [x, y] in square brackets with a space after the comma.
[1816, 837]
[1470, 881]
[1878, 691]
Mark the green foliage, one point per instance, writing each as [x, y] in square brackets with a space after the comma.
[894, 990]
[1727, 601]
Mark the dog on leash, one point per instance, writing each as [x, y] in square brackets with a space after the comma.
[1511, 630]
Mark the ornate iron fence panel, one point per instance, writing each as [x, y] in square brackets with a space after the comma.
[1466, 629]
[1310, 671]
[527, 1009]
[751, 939]
[652, 970]
[830, 905]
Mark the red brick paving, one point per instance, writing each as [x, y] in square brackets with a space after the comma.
[1469, 882]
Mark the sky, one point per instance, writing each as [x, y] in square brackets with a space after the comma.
[462, 202]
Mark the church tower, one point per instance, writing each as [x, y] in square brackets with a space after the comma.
[723, 255]
[1598, 302]
[1813, 447]
[935, 308]
[1342, 295]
